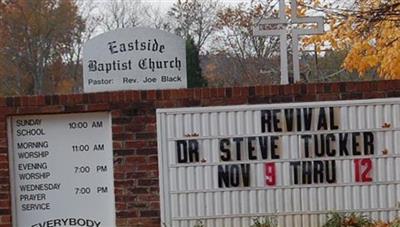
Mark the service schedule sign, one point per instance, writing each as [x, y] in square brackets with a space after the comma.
[134, 59]
[62, 170]
[223, 166]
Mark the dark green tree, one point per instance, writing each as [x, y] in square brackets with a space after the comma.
[194, 76]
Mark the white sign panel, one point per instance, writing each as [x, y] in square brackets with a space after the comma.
[225, 166]
[134, 59]
[62, 170]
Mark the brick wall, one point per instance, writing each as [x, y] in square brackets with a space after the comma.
[134, 130]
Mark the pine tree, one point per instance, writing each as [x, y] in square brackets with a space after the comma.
[194, 76]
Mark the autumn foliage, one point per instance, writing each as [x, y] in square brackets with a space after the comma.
[369, 30]
[35, 38]
[41, 40]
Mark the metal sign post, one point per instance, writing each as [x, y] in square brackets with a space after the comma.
[282, 21]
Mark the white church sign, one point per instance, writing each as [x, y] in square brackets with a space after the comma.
[263, 29]
[62, 170]
[134, 59]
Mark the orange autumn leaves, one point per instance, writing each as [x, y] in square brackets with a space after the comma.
[370, 31]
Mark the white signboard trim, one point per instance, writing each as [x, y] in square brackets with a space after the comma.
[361, 102]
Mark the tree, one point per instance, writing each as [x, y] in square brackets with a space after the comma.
[133, 13]
[368, 29]
[157, 19]
[123, 14]
[252, 59]
[194, 75]
[34, 37]
[326, 66]
[73, 59]
[195, 19]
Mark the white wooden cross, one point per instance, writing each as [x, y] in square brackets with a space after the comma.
[282, 21]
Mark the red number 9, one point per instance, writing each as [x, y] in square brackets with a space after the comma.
[270, 174]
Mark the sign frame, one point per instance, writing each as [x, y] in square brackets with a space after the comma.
[163, 150]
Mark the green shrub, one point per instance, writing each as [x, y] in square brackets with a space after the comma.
[334, 220]
[395, 223]
[199, 224]
[265, 222]
[348, 220]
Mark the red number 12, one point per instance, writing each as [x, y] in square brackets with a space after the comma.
[362, 169]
